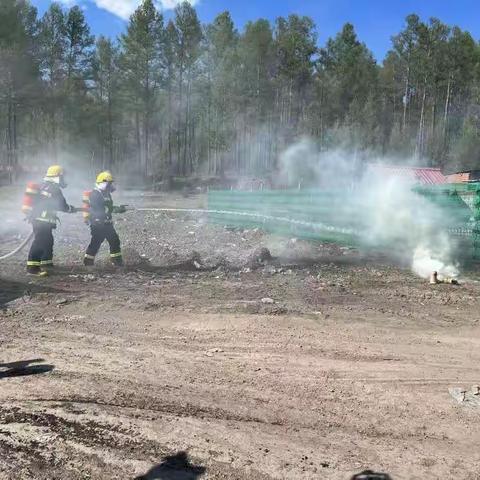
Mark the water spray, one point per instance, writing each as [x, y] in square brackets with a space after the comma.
[256, 216]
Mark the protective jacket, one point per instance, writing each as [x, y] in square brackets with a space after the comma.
[50, 201]
[100, 210]
[101, 207]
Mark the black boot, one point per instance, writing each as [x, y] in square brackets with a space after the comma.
[37, 271]
[88, 261]
[46, 266]
[117, 261]
[33, 269]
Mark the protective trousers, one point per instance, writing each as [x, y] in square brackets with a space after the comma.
[41, 251]
[101, 232]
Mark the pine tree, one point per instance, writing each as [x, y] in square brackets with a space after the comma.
[19, 74]
[351, 74]
[142, 61]
[79, 69]
[188, 51]
[222, 65]
[171, 75]
[295, 42]
[53, 48]
[107, 80]
[256, 135]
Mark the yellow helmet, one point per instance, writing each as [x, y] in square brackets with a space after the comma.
[55, 171]
[105, 176]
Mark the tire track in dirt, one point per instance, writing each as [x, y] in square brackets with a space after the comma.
[178, 410]
[124, 442]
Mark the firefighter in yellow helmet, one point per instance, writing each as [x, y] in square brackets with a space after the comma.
[43, 218]
[100, 210]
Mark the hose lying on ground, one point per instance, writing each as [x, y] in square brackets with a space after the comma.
[18, 249]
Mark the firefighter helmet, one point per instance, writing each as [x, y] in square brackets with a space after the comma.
[105, 176]
[55, 171]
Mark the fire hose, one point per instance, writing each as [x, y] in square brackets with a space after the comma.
[18, 249]
[316, 226]
[25, 243]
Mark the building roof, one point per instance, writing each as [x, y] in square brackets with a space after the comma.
[422, 175]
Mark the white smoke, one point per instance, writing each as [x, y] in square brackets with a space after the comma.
[384, 211]
[424, 263]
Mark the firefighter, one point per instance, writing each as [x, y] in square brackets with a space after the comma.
[99, 217]
[43, 218]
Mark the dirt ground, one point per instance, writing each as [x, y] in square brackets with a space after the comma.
[203, 359]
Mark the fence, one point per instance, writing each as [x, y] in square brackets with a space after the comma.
[339, 216]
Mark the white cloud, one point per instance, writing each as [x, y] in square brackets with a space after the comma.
[124, 8]
[69, 3]
[171, 4]
[120, 8]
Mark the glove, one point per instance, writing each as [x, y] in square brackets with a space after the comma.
[120, 209]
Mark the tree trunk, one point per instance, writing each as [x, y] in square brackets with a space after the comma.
[138, 139]
[421, 128]
[186, 127]
[446, 111]
[10, 140]
[110, 133]
[170, 114]
[405, 100]
[180, 168]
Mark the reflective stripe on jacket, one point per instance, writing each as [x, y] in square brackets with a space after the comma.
[50, 201]
[101, 207]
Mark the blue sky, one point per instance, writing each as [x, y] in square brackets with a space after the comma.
[375, 20]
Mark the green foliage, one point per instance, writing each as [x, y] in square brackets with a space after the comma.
[180, 99]
[467, 148]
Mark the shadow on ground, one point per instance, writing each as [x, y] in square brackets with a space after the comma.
[371, 475]
[23, 368]
[174, 467]
[11, 290]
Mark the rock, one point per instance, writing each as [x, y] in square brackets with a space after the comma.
[270, 270]
[260, 255]
[195, 257]
[131, 256]
[267, 300]
[197, 265]
[468, 398]
[61, 301]
[209, 353]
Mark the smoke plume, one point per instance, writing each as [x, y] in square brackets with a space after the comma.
[382, 211]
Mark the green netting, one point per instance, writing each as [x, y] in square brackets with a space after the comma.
[311, 214]
[452, 199]
[339, 215]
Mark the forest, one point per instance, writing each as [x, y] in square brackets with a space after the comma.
[176, 98]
